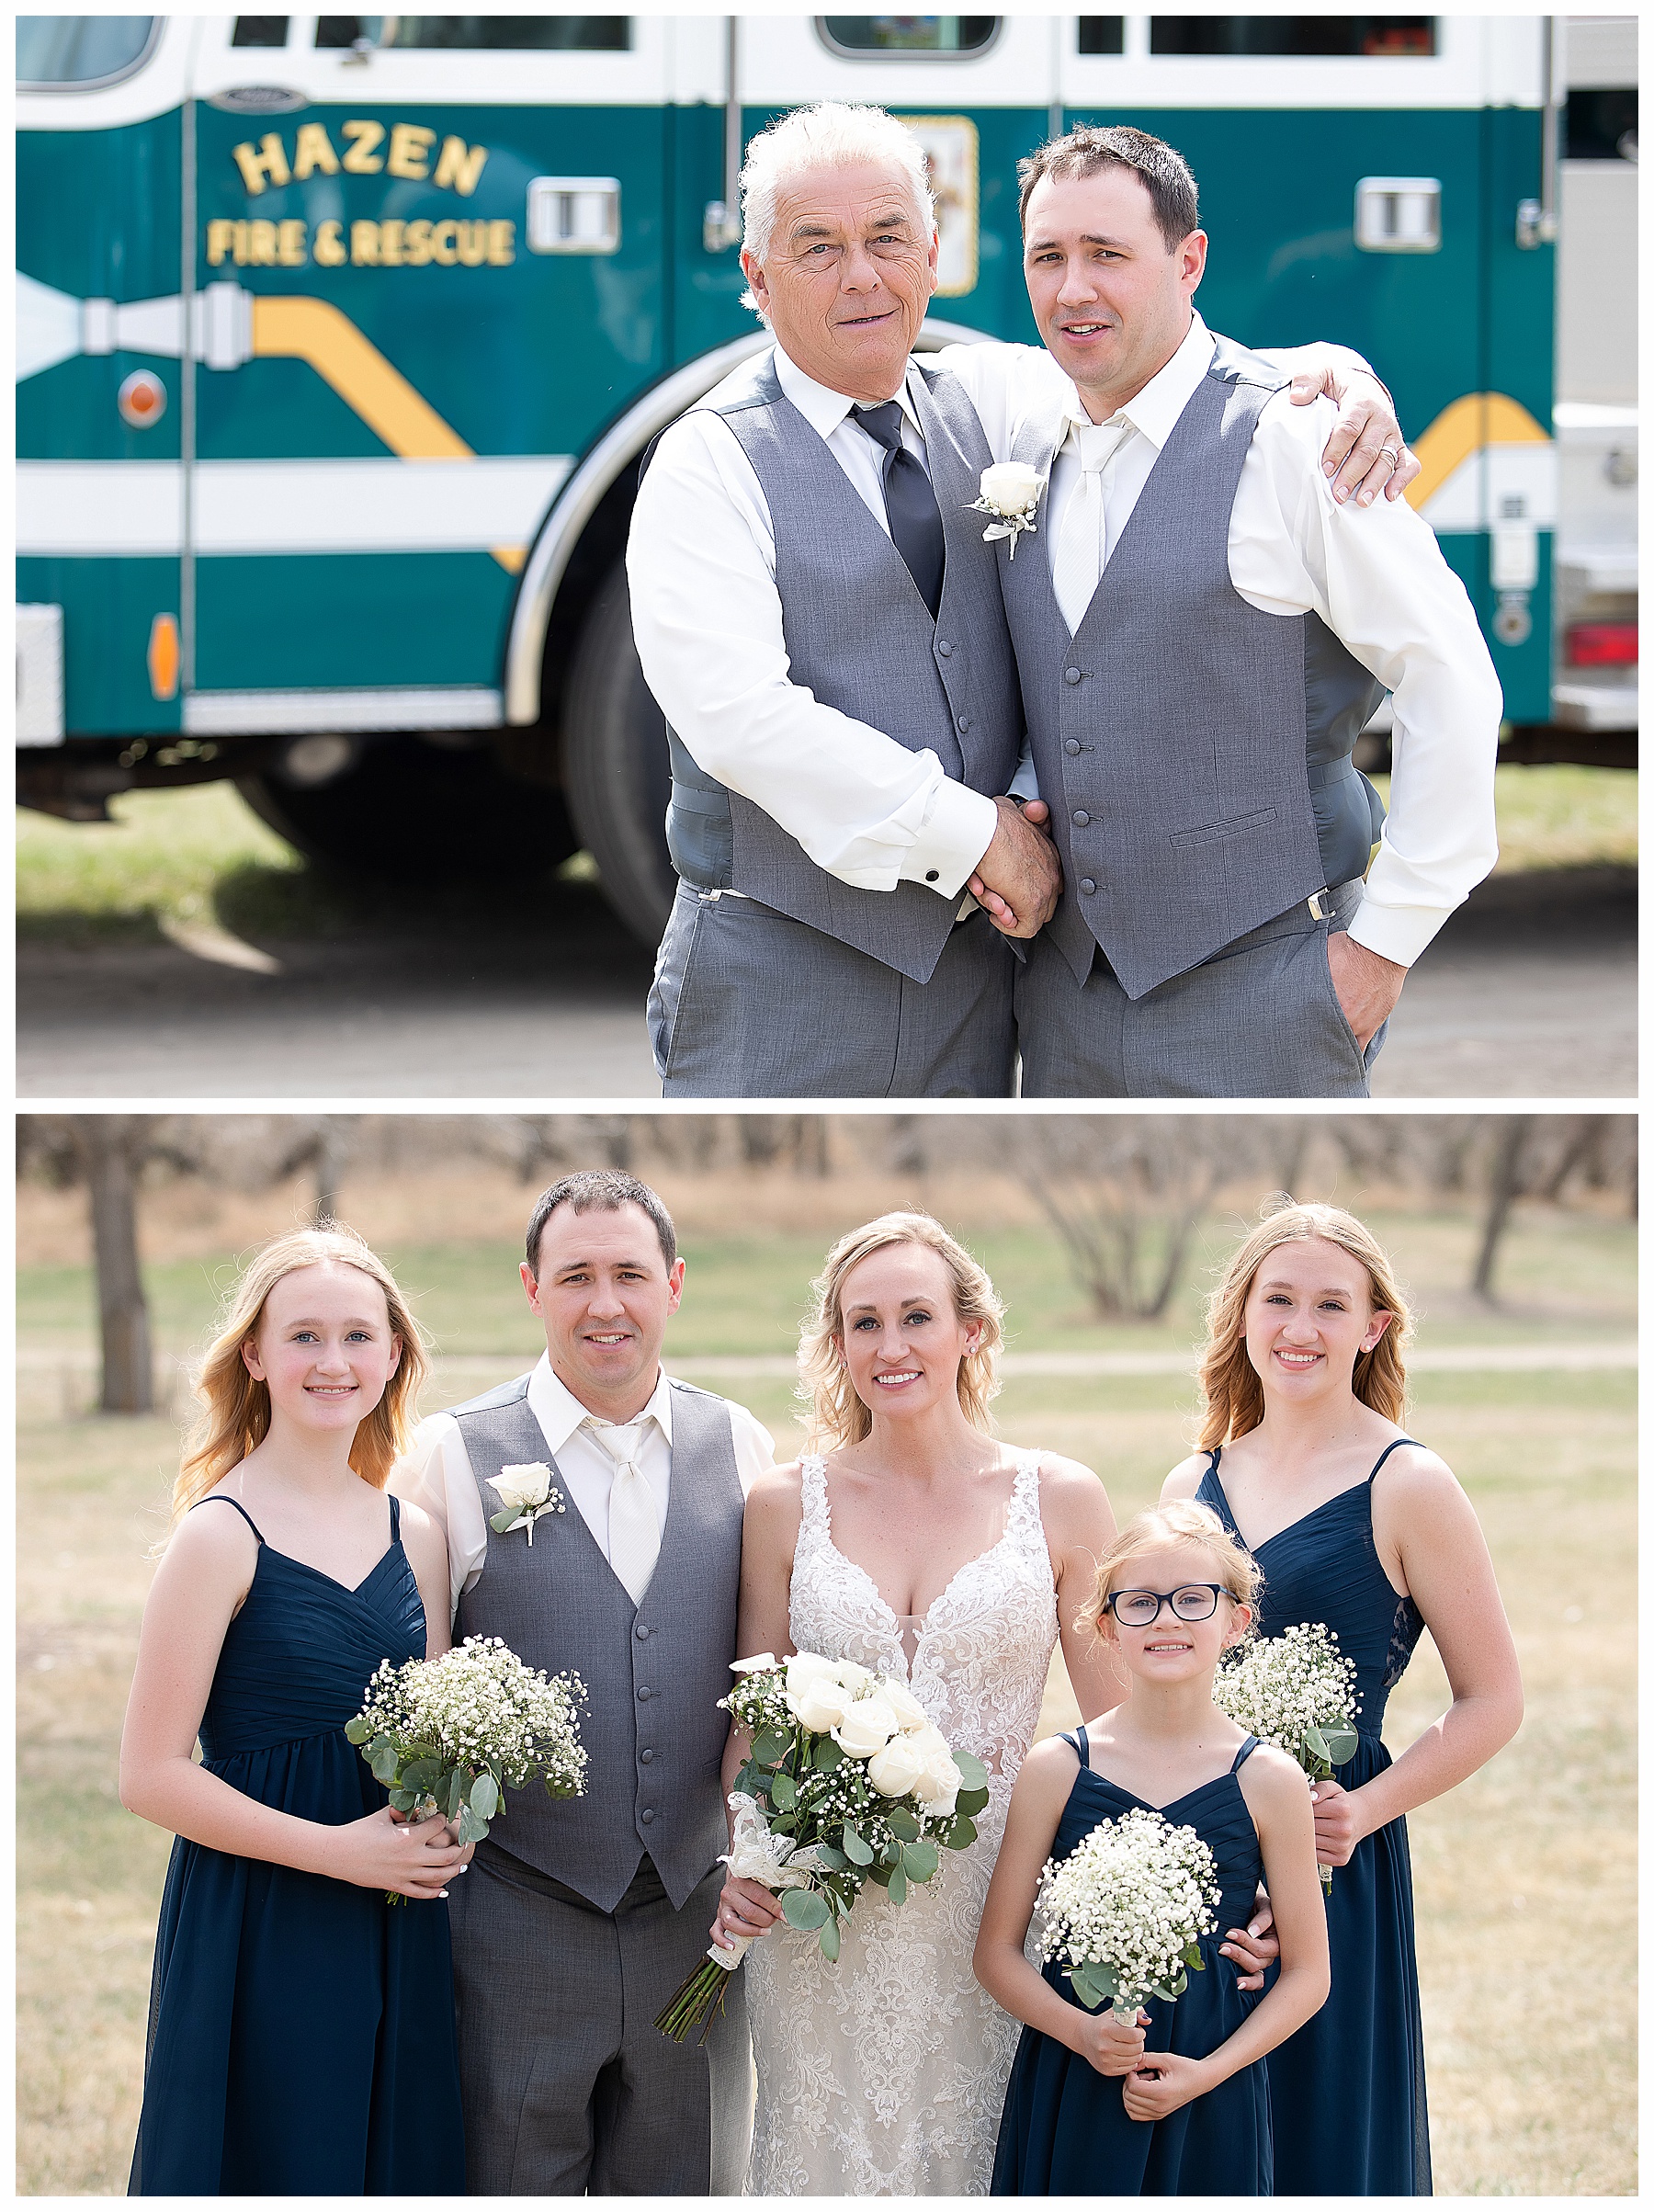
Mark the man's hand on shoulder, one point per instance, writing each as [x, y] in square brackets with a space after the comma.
[1366, 453]
[1368, 985]
[1018, 880]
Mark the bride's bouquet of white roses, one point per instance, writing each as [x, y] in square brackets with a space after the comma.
[847, 1782]
[451, 1735]
[1126, 1910]
[1297, 1691]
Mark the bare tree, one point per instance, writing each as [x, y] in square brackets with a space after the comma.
[1504, 1189]
[1124, 1193]
[106, 1153]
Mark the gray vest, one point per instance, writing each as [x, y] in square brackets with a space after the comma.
[1194, 752]
[653, 1736]
[860, 637]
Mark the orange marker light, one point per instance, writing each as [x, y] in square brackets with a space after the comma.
[163, 656]
[141, 399]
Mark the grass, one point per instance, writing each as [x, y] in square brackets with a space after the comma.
[201, 854]
[1532, 2067]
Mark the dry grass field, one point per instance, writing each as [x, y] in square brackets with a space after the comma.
[1526, 1876]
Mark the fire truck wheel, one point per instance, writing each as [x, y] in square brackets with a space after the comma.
[616, 766]
[408, 811]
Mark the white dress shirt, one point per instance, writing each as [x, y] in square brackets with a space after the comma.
[1375, 575]
[435, 1471]
[706, 617]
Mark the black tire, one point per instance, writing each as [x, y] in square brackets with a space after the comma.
[407, 810]
[617, 767]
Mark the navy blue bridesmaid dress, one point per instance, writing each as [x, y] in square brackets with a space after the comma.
[301, 2030]
[1064, 2131]
[1347, 2090]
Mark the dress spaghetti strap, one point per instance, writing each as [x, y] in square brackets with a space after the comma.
[1389, 1449]
[1244, 1753]
[221, 1497]
[395, 1520]
[1083, 1744]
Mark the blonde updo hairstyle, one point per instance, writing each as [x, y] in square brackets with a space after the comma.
[1180, 1521]
[1231, 1392]
[837, 1415]
[235, 1406]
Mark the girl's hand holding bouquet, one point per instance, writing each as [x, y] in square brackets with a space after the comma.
[448, 1737]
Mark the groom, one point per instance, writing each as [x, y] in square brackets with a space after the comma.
[577, 1919]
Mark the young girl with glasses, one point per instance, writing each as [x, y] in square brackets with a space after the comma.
[1178, 2105]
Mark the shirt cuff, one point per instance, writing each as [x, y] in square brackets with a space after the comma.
[1396, 932]
[957, 831]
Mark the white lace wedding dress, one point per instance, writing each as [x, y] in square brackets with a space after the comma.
[884, 2074]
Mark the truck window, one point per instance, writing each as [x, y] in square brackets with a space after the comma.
[1601, 125]
[83, 50]
[908, 34]
[260, 31]
[539, 34]
[1305, 35]
[1102, 35]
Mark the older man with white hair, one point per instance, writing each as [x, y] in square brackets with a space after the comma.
[820, 620]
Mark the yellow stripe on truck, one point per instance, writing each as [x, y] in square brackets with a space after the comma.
[315, 332]
[1479, 419]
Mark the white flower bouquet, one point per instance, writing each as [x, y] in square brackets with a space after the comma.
[451, 1735]
[1126, 1910]
[847, 1783]
[1296, 1691]
[1009, 491]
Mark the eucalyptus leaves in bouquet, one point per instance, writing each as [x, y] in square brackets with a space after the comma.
[1296, 1691]
[847, 1783]
[451, 1735]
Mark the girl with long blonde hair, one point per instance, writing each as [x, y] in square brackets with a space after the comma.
[301, 2031]
[1356, 1525]
[908, 1540]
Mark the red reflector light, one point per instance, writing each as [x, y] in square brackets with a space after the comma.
[1603, 645]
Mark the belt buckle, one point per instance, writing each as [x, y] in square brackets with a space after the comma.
[1320, 903]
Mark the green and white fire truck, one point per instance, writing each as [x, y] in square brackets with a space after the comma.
[340, 338]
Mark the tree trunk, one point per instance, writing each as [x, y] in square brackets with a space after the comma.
[1506, 1189]
[109, 1145]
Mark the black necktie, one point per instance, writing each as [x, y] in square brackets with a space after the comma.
[910, 503]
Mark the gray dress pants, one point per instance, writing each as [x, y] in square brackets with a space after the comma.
[749, 1003]
[1259, 1019]
[568, 2088]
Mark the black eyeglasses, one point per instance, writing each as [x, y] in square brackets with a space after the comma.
[1142, 1608]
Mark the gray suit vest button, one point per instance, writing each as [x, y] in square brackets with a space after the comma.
[1081, 817]
[944, 648]
[646, 1756]
[644, 1696]
[642, 1633]
[1087, 886]
[964, 723]
[1071, 675]
[648, 1815]
[1071, 746]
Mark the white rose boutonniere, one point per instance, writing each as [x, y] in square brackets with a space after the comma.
[1010, 491]
[526, 1492]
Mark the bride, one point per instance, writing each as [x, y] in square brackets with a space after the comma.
[923, 1549]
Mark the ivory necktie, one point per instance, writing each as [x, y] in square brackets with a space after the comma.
[1077, 567]
[634, 1528]
[910, 507]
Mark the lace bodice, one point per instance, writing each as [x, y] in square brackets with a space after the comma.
[884, 2074]
[983, 1648]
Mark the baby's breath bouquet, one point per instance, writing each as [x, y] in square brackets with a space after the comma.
[1126, 1910]
[1297, 1691]
[847, 1783]
[451, 1735]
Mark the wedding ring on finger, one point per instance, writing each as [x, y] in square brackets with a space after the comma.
[1391, 456]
